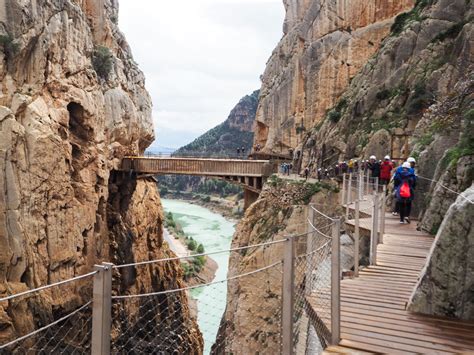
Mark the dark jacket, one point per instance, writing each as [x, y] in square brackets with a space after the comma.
[400, 178]
[375, 168]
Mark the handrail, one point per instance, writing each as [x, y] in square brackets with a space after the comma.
[47, 286]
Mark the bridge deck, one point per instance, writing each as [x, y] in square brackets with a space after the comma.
[198, 166]
[374, 318]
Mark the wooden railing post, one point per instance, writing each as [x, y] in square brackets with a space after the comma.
[101, 310]
[374, 232]
[356, 238]
[288, 296]
[336, 283]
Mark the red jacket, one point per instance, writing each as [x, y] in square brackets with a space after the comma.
[386, 170]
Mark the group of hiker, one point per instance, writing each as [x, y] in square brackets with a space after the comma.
[383, 171]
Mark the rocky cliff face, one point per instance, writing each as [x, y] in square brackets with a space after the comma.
[73, 103]
[325, 45]
[447, 285]
[235, 132]
[252, 320]
[412, 97]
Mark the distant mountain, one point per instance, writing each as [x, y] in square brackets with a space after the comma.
[235, 132]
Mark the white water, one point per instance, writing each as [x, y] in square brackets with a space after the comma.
[214, 232]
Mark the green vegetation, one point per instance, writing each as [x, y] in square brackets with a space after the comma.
[383, 95]
[8, 45]
[102, 61]
[451, 32]
[335, 114]
[411, 16]
[195, 264]
[420, 99]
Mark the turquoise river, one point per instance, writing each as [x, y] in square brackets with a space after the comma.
[214, 232]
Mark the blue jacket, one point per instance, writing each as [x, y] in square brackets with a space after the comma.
[397, 176]
[400, 178]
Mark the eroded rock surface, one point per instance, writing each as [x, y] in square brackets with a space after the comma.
[68, 114]
[325, 45]
[446, 287]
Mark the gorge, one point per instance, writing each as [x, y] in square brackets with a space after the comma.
[349, 79]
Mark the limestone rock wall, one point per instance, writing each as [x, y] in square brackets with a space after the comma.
[325, 44]
[63, 129]
[447, 284]
[252, 319]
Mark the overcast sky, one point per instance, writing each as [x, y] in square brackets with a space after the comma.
[199, 58]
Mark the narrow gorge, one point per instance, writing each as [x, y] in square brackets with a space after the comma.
[82, 186]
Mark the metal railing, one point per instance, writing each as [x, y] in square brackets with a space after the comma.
[276, 279]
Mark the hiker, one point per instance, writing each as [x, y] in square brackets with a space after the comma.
[351, 166]
[374, 166]
[336, 170]
[320, 175]
[344, 167]
[362, 165]
[386, 171]
[290, 168]
[243, 152]
[258, 147]
[404, 193]
[306, 173]
[326, 174]
[238, 152]
[356, 166]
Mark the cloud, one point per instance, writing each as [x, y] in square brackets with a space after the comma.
[199, 57]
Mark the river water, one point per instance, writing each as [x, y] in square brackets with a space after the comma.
[214, 232]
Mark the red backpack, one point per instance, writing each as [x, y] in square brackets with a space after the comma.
[405, 190]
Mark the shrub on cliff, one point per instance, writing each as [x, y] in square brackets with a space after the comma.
[9, 47]
[102, 61]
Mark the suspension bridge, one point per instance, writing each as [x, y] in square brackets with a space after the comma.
[306, 301]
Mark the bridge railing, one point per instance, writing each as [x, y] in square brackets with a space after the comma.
[195, 166]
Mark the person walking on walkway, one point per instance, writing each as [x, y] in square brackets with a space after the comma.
[306, 173]
[374, 167]
[386, 171]
[405, 182]
[238, 152]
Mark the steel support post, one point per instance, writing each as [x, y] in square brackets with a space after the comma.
[349, 195]
[288, 296]
[336, 283]
[382, 213]
[101, 310]
[374, 232]
[310, 247]
[343, 189]
[356, 238]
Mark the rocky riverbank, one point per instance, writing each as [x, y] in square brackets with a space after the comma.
[230, 207]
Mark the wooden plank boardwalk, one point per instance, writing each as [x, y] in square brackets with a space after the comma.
[374, 318]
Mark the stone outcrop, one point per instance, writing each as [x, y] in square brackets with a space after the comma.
[325, 44]
[252, 318]
[73, 103]
[446, 287]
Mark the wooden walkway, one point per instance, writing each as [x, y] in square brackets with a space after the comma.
[374, 318]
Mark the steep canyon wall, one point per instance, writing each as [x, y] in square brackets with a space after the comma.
[324, 46]
[72, 104]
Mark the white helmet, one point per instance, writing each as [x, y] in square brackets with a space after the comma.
[387, 157]
[411, 160]
[406, 165]
[373, 157]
